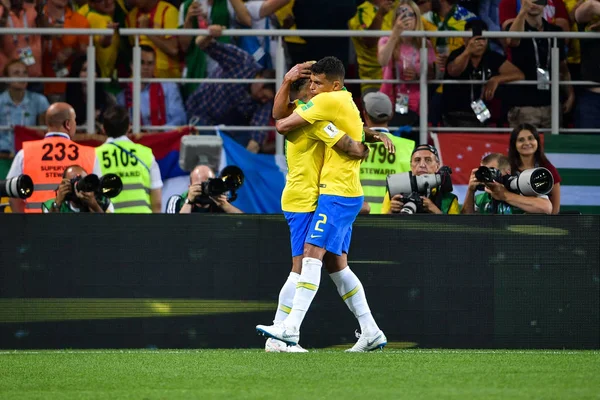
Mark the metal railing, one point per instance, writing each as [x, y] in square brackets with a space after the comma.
[281, 70]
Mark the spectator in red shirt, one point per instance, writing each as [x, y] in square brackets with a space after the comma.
[525, 152]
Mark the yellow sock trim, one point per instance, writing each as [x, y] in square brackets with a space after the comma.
[351, 293]
[285, 309]
[307, 285]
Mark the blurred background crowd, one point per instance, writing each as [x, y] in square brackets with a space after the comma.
[392, 57]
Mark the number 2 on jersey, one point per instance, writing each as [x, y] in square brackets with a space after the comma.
[323, 220]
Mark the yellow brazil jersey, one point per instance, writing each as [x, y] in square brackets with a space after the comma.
[304, 154]
[574, 54]
[163, 16]
[83, 10]
[368, 66]
[106, 57]
[340, 175]
[284, 13]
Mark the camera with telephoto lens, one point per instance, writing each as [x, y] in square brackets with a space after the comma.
[230, 180]
[487, 175]
[412, 187]
[531, 182]
[19, 187]
[107, 187]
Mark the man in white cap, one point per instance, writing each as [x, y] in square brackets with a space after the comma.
[378, 111]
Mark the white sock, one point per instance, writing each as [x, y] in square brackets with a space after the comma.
[286, 297]
[306, 289]
[353, 294]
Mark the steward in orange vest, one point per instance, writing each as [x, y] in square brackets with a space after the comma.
[45, 160]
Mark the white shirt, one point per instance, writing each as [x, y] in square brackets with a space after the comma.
[253, 8]
[16, 167]
[155, 179]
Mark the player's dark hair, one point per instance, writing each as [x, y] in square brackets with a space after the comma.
[296, 86]
[332, 67]
[116, 121]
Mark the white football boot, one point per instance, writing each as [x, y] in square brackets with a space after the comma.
[277, 346]
[280, 332]
[368, 343]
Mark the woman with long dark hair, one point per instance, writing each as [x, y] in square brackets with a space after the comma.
[526, 152]
[76, 94]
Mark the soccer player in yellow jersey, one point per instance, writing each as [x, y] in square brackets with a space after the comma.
[339, 203]
[304, 151]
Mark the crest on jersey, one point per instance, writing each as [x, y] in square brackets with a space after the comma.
[331, 130]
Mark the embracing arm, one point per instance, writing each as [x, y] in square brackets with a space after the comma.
[290, 123]
[372, 136]
[352, 148]
[282, 106]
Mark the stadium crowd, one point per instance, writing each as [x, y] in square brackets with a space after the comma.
[494, 62]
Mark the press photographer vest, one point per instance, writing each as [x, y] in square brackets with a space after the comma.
[131, 162]
[375, 169]
[45, 161]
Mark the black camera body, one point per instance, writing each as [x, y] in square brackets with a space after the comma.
[230, 179]
[488, 175]
[109, 186]
[413, 204]
[531, 182]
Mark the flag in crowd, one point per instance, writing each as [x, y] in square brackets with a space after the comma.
[264, 173]
[577, 159]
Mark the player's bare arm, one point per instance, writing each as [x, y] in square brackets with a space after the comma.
[372, 136]
[283, 105]
[352, 148]
[294, 121]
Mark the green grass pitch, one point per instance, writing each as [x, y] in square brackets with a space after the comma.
[320, 374]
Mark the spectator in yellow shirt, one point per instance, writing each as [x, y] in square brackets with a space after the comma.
[372, 15]
[100, 16]
[158, 14]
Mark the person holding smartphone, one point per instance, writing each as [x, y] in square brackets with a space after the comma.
[531, 104]
[400, 59]
[467, 105]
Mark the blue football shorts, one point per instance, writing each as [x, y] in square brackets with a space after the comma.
[331, 225]
[299, 224]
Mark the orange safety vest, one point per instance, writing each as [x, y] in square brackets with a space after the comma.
[45, 161]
